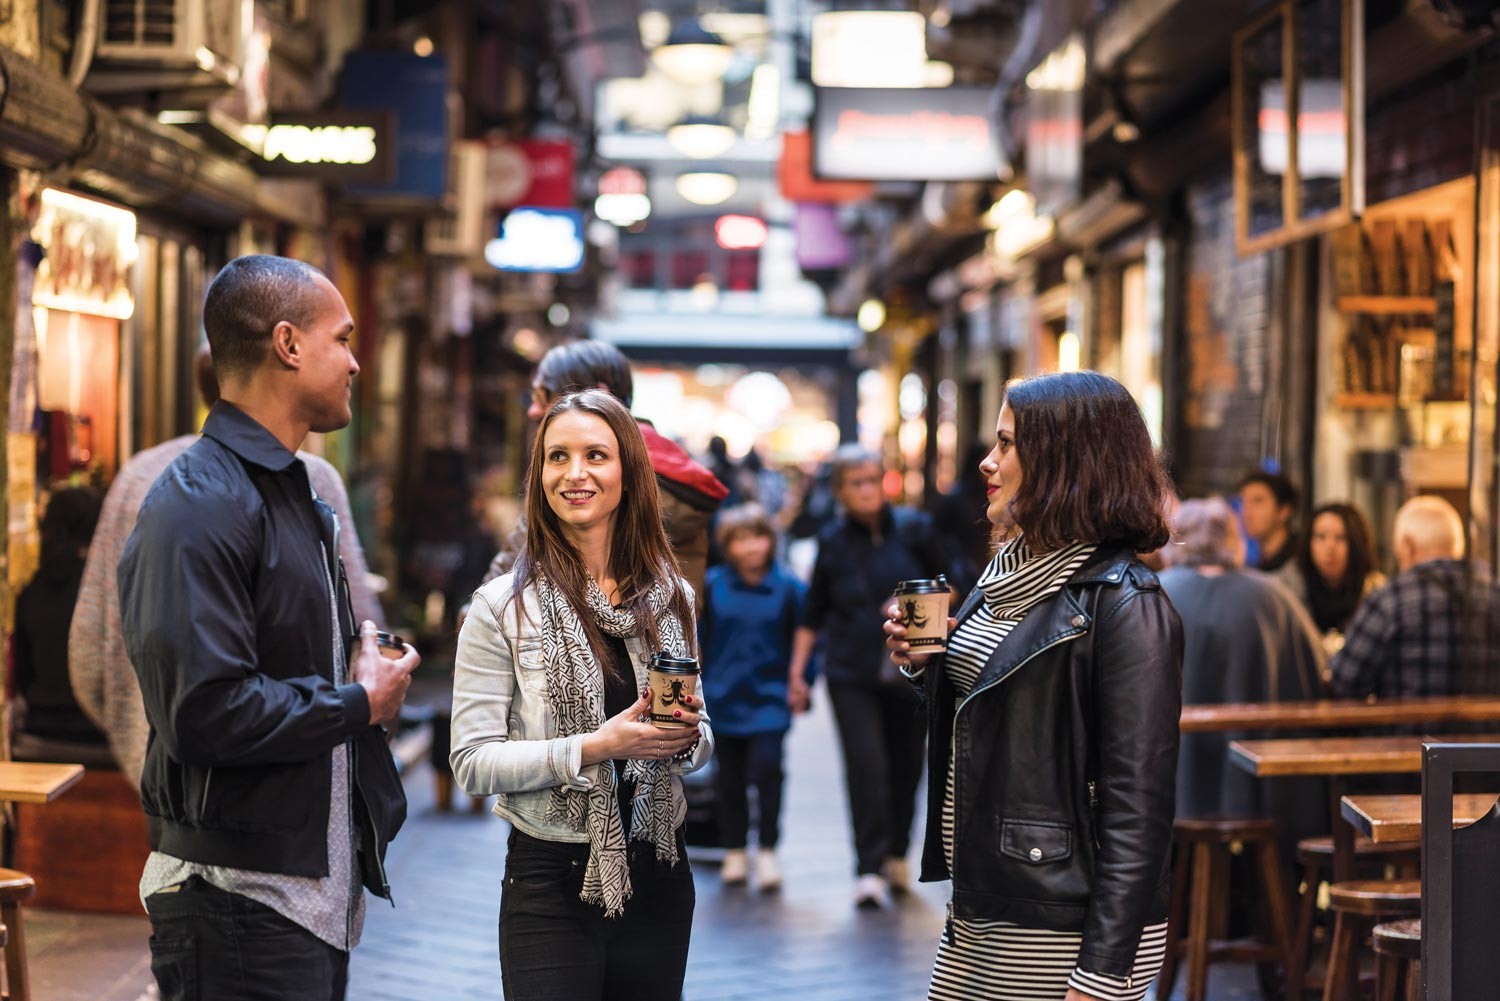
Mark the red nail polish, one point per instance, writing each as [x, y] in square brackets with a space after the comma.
[677, 713]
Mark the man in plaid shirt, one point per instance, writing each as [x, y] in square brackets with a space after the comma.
[1427, 632]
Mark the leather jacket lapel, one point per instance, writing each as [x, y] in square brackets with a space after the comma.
[1059, 617]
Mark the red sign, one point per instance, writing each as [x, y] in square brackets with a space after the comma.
[740, 232]
[530, 172]
[795, 175]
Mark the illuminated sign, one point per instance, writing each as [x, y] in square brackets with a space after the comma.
[538, 239]
[740, 232]
[340, 147]
[904, 135]
[90, 247]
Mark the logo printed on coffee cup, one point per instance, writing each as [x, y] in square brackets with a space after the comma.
[671, 679]
[922, 610]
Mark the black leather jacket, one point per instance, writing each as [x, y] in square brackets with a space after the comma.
[230, 590]
[1066, 751]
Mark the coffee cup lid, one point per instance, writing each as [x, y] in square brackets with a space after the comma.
[384, 638]
[671, 664]
[928, 586]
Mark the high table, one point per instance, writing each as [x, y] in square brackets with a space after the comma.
[35, 781]
[1337, 758]
[1339, 714]
[1399, 818]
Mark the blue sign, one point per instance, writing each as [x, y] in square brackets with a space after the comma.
[415, 90]
[537, 239]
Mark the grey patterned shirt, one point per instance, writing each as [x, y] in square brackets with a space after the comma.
[331, 907]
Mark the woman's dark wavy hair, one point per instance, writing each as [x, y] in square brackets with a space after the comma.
[639, 553]
[1088, 470]
[1333, 605]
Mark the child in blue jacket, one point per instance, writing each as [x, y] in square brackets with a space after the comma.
[751, 609]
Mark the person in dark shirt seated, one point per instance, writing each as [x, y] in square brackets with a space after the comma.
[44, 613]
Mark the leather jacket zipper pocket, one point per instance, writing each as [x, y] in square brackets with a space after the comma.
[208, 778]
[1094, 812]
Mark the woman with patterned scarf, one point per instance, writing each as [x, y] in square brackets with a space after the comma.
[1053, 713]
[548, 699]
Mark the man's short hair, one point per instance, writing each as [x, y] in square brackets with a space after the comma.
[247, 299]
[1432, 524]
[586, 365]
[1280, 486]
[1205, 533]
[847, 458]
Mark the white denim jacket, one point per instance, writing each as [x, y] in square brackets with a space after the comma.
[505, 737]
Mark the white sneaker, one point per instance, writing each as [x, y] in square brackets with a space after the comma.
[767, 871]
[870, 893]
[736, 867]
[897, 873]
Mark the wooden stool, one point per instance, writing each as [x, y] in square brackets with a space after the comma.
[1398, 957]
[1315, 856]
[1204, 848]
[15, 888]
[1358, 905]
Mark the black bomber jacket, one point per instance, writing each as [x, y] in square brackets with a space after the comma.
[231, 589]
[1066, 750]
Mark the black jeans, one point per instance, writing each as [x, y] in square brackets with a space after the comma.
[555, 947]
[211, 945]
[882, 733]
[744, 762]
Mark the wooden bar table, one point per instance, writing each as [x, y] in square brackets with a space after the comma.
[1339, 714]
[1338, 758]
[1399, 818]
[35, 781]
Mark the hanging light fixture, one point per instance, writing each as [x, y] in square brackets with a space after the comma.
[692, 54]
[701, 137]
[707, 187]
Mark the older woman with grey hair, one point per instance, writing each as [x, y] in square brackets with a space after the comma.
[861, 557]
[1247, 639]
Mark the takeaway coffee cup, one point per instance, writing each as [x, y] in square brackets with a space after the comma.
[922, 607]
[671, 678]
[392, 647]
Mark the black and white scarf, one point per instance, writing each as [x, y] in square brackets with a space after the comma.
[575, 689]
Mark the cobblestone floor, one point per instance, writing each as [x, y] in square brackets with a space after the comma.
[440, 942]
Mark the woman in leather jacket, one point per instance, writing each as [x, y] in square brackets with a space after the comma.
[1053, 713]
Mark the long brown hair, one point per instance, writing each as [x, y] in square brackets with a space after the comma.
[1088, 471]
[639, 553]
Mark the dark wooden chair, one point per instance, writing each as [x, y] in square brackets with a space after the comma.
[1315, 856]
[1461, 875]
[1200, 903]
[15, 889]
[1398, 960]
[101, 823]
[1359, 905]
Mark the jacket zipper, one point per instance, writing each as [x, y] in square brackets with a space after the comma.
[208, 778]
[953, 741]
[385, 884]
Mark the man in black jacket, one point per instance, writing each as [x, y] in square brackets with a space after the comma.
[269, 788]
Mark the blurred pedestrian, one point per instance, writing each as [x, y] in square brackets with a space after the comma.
[1335, 570]
[1247, 639]
[103, 679]
[1428, 631]
[963, 531]
[48, 713]
[597, 900]
[1054, 711]
[861, 558]
[750, 616]
[1268, 505]
[267, 777]
[689, 494]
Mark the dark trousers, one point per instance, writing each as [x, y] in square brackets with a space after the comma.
[555, 947]
[211, 945]
[882, 732]
[744, 762]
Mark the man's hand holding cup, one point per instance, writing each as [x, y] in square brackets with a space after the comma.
[383, 666]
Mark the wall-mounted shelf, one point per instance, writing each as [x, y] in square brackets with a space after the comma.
[1387, 305]
[1365, 401]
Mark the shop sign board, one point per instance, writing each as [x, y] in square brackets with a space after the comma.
[536, 172]
[335, 147]
[877, 134]
[415, 90]
[538, 239]
[90, 247]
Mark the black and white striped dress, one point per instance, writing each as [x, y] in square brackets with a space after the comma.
[997, 960]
